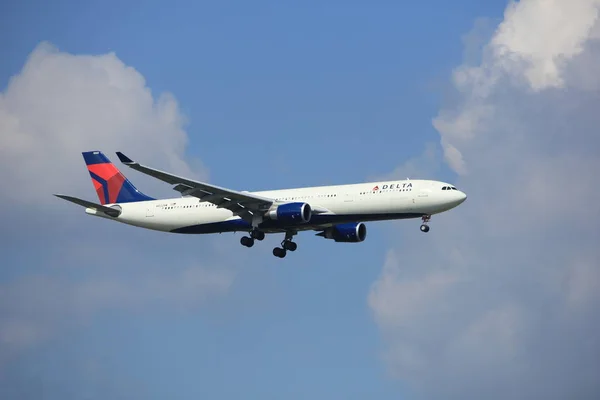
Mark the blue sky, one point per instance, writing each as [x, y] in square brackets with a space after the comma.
[275, 95]
[332, 75]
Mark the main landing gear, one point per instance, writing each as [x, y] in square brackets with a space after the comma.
[286, 245]
[248, 241]
[425, 227]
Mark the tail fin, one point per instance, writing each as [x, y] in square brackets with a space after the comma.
[110, 184]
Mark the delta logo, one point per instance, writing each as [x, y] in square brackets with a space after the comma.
[393, 186]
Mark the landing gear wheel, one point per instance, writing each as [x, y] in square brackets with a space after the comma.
[425, 227]
[258, 235]
[289, 245]
[279, 252]
[247, 241]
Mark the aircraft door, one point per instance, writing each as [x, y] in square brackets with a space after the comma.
[150, 210]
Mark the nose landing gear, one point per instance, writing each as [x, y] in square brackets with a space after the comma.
[424, 226]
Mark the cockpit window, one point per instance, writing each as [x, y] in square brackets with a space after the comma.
[445, 188]
[453, 188]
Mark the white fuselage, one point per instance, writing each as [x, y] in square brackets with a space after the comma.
[373, 201]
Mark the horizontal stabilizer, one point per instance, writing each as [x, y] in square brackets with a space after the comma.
[113, 212]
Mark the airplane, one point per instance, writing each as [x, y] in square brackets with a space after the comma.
[336, 212]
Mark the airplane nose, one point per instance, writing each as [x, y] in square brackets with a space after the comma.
[462, 197]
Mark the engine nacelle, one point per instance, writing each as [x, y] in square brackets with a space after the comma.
[348, 233]
[291, 213]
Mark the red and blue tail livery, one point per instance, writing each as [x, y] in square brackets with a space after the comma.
[110, 184]
[336, 212]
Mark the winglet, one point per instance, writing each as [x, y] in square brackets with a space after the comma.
[124, 159]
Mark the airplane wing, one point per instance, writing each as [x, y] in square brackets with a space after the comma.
[242, 204]
[113, 212]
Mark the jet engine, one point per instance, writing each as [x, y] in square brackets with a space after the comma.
[347, 233]
[291, 213]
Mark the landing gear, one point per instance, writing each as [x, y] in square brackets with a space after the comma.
[289, 245]
[279, 252]
[425, 227]
[247, 241]
[254, 235]
[286, 245]
[258, 235]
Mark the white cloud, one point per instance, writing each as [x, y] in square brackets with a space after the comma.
[499, 299]
[33, 306]
[418, 167]
[542, 36]
[61, 104]
[36, 308]
[582, 283]
[411, 298]
[57, 106]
